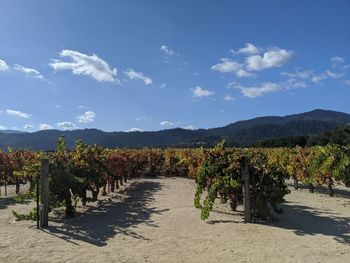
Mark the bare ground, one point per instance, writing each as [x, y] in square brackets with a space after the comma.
[154, 221]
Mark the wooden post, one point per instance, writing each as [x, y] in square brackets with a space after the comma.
[150, 170]
[44, 187]
[108, 185]
[37, 204]
[130, 172]
[296, 184]
[17, 186]
[330, 185]
[171, 163]
[246, 192]
[5, 188]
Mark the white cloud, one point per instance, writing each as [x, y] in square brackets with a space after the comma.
[253, 61]
[132, 74]
[28, 126]
[162, 86]
[3, 127]
[18, 114]
[248, 49]
[166, 123]
[229, 98]
[199, 92]
[293, 83]
[336, 61]
[167, 51]
[347, 82]
[87, 117]
[66, 125]
[272, 58]
[142, 118]
[243, 73]
[83, 64]
[190, 127]
[312, 76]
[31, 72]
[83, 107]
[317, 78]
[253, 92]
[230, 66]
[306, 74]
[135, 130]
[3, 66]
[333, 75]
[44, 126]
[57, 106]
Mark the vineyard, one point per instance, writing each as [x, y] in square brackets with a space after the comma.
[87, 171]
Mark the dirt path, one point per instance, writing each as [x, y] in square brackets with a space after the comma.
[155, 221]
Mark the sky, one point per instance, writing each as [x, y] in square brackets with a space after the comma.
[150, 65]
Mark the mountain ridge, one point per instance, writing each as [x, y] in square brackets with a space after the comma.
[240, 133]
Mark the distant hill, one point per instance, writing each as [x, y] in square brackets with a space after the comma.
[241, 133]
[12, 132]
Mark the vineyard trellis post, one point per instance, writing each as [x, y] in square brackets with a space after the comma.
[37, 204]
[171, 163]
[246, 191]
[44, 187]
[150, 164]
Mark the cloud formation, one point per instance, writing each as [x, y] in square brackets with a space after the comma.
[248, 49]
[44, 126]
[336, 61]
[18, 114]
[66, 125]
[257, 91]
[3, 66]
[166, 123]
[190, 127]
[227, 65]
[167, 51]
[132, 74]
[28, 127]
[272, 58]
[83, 64]
[253, 61]
[30, 72]
[87, 117]
[313, 77]
[135, 130]
[142, 118]
[199, 92]
[229, 98]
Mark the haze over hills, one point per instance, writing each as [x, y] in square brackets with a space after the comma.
[241, 133]
[12, 132]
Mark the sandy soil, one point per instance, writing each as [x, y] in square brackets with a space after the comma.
[155, 221]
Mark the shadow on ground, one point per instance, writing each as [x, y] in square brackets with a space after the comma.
[113, 217]
[341, 192]
[304, 220]
[8, 201]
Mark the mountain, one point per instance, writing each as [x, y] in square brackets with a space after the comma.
[241, 133]
[12, 132]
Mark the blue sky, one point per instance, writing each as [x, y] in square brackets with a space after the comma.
[150, 65]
